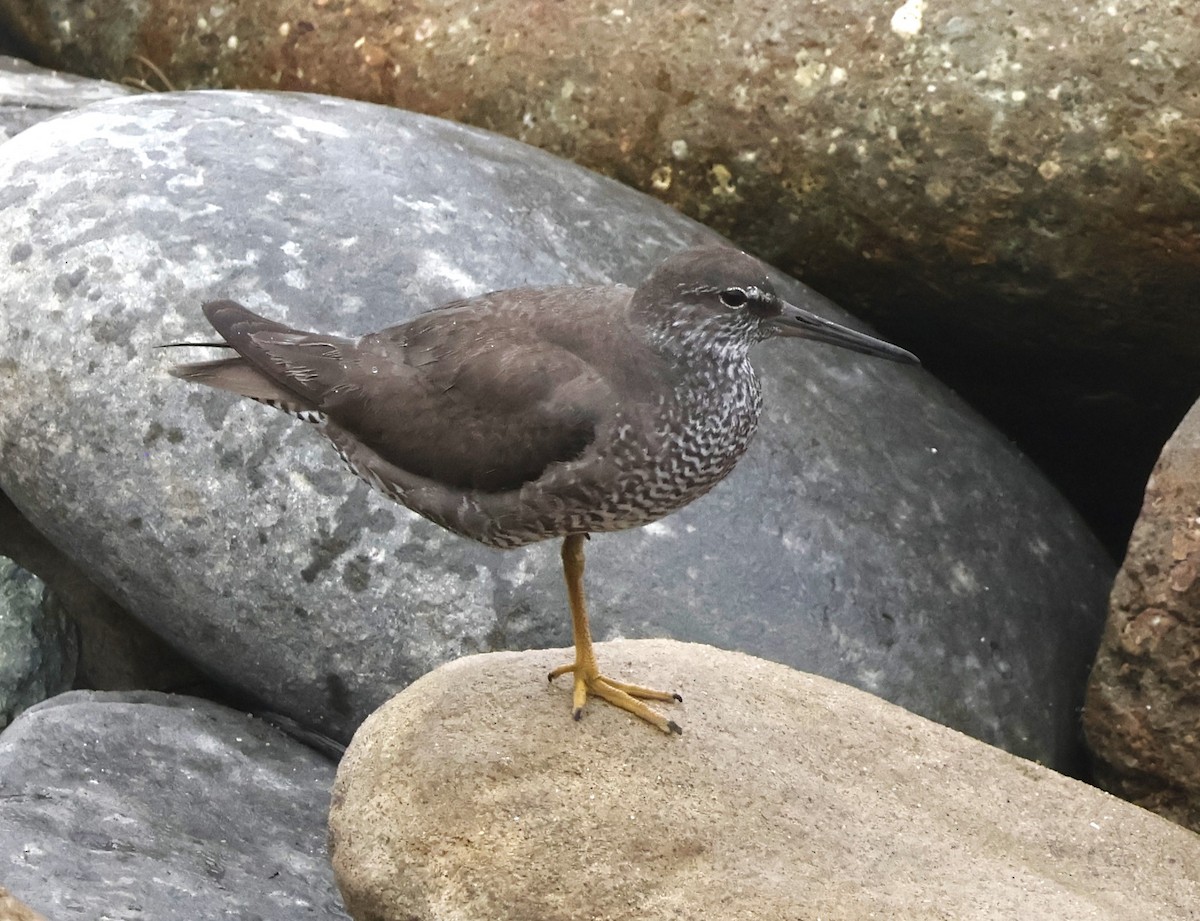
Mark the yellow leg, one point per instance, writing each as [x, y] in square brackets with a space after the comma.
[587, 673]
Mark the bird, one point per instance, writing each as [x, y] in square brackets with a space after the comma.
[538, 413]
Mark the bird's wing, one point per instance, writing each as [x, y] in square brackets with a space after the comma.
[469, 400]
[459, 395]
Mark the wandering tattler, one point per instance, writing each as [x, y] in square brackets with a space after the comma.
[534, 413]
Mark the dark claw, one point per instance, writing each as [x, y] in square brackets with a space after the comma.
[678, 698]
[549, 676]
[675, 728]
[578, 714]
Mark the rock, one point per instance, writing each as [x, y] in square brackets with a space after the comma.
[123, 805]
[787, 796]
[1142, 718]
[111, 650]
[12, 909]
[114, 652]
[37, 646]
[30, 94]
[877, 532]
[1000, 187]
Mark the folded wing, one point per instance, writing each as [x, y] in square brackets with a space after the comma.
[458, 395]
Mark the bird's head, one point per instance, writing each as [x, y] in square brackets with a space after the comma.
[721, 300]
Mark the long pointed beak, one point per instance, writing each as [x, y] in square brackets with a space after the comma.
[800, 323]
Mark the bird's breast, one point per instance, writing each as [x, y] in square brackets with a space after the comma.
[687, 446]
[709, 428]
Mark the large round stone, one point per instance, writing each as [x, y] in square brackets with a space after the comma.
[30, 94]
[1010, 184]
[788, 797]
[877, 532]
[147, 805]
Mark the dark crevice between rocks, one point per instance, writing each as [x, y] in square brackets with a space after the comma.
[116, 651]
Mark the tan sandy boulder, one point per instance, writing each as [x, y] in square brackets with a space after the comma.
[473, 795]
[13, 909]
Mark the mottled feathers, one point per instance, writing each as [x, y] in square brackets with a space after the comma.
[537, 412]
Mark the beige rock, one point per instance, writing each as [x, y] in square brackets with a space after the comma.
[1142, 716]
[12, 909]
[473, 795]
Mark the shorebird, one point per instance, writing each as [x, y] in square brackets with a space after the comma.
[536, 413]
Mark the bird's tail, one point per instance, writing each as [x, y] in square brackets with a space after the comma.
[242, 375]
[237, 376]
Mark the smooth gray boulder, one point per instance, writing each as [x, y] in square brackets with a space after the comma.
[38, 649]
[878, 532]
[115, 651]
[30, 94]
[1008, 187]
[146, 805]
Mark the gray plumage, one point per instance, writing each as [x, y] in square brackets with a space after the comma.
[537, 412]
[541, 412]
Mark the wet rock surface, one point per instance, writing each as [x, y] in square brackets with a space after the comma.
[38, 648]
[150, 805]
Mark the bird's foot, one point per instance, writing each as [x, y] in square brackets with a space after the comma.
[626, 696]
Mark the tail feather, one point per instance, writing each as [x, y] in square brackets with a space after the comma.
[239, 376]
[283, 367]
[194, 345]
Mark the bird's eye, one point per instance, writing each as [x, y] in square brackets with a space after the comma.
[734, 297]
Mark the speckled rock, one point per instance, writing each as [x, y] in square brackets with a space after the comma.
[114, 651]
[37, 645]
[788, 796]
[1143, 704]
[147, 805]
[30, 94]
[1000, 185]
[877, 531]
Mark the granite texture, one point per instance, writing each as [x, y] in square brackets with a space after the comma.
[1142, 717]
